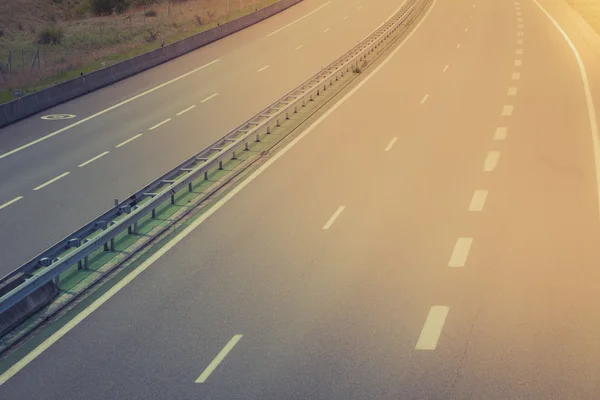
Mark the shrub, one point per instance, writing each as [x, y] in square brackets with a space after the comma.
[151, 35]
[81, 9]
[150, 13]
[50, 35]
[106, 7]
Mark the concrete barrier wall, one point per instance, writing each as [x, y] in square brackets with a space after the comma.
[31, 104]
[26, 307]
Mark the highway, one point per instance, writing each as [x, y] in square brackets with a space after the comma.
[53, 183]
[434, 235]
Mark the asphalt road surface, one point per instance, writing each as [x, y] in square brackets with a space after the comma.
[435, 236]
[53, 183]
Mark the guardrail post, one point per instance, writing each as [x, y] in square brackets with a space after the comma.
[311, 97]
[220, 164]
[172, 198]
[303, 102]
[295, 109]
[287, 115]
[233, 156]
[205, 175]
[257, 137]
[85, 263]
[246, 146]
[154, 213]
[112, 244]
[269, 130]
[190, 188]
[135, 227]
[57, 281]
[318, 94]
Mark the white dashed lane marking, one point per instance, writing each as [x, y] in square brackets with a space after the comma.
[8, 203]
[432, 329]
[500, 133]
[460, 252]
[91, 160]
[478, 200]
[43, 185]
[129, 140]
[491, 161]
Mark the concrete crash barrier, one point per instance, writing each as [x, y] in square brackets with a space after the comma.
[36, 102]
[11, 318]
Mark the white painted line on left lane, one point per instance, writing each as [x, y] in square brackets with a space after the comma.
[209, 97]
[335, 216]
[512, 91]
[218, 359]
[43, 185]
[518, 63]
[424, 99]
[106, 110]
[432, 329]
[445, 68]
[500, 133]
[298, 20]
[491, 161]
[8, 203]
[299, 47]
[519, 51]
[515, 76]
[129, 140]
[458, 46]
[460, 252]
[159, 124]
[186, 110]
[91, 160]
[263, 68]
[519, 41]
[110, 293]
[389, 146]
[478, 200]
[507, 110]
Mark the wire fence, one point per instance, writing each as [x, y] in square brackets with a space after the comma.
[101, 40]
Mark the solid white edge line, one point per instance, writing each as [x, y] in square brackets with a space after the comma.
[478, 200]
[299, 47]
[159, 124]
[588, 99]
[8, 203]
[33, 354]
[432, 328]
[461, 252]
[263, 68]
[335, 216]
[48, 136]
[389, 146]
[91, 160]
[43, 185]
[129, 140]
[491, 161]
[186, 110]
[298, 20]
[218, 359]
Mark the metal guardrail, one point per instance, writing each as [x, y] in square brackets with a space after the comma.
[101, 232]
